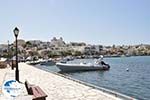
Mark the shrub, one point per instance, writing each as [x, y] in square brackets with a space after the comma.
[3, 64]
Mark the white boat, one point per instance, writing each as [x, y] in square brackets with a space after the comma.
[47, 62]
[66, 67]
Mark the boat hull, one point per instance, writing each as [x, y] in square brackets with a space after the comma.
[48, 63]
[75, 67]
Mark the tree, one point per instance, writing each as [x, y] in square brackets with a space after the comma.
[50, 54]
[28, 44]
[77, 53]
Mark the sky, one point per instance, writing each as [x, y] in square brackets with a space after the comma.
[105, 22]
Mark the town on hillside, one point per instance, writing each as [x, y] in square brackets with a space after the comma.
[55, 48]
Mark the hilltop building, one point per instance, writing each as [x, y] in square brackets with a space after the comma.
[3, 47]
[35, 42]
[93, 49]
[21, 42]
[57, 42]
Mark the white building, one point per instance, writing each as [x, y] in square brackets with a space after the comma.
[93, 48]
[3, 47]
[35, 42]
[58, 42]
[20, 42]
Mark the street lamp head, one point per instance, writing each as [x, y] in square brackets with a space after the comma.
[16, 31]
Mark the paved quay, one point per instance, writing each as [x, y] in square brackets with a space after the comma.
[2, 75]
[8, 74]
[60, 88]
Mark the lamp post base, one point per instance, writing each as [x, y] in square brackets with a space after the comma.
[17, 75]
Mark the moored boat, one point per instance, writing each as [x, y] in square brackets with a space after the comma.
[66, 67]
[47, 62]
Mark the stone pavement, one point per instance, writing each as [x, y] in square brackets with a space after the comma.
[8, 74]
[2, 75]
[60, 88]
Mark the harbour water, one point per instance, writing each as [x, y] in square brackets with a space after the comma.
[135, 82]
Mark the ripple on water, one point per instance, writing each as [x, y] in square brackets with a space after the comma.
[134, 83]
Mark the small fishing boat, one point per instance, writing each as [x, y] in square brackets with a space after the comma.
[68, 67]
[47, 63]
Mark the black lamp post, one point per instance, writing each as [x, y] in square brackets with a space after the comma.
[16, 32]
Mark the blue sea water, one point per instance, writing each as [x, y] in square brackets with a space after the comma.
[134, 83]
